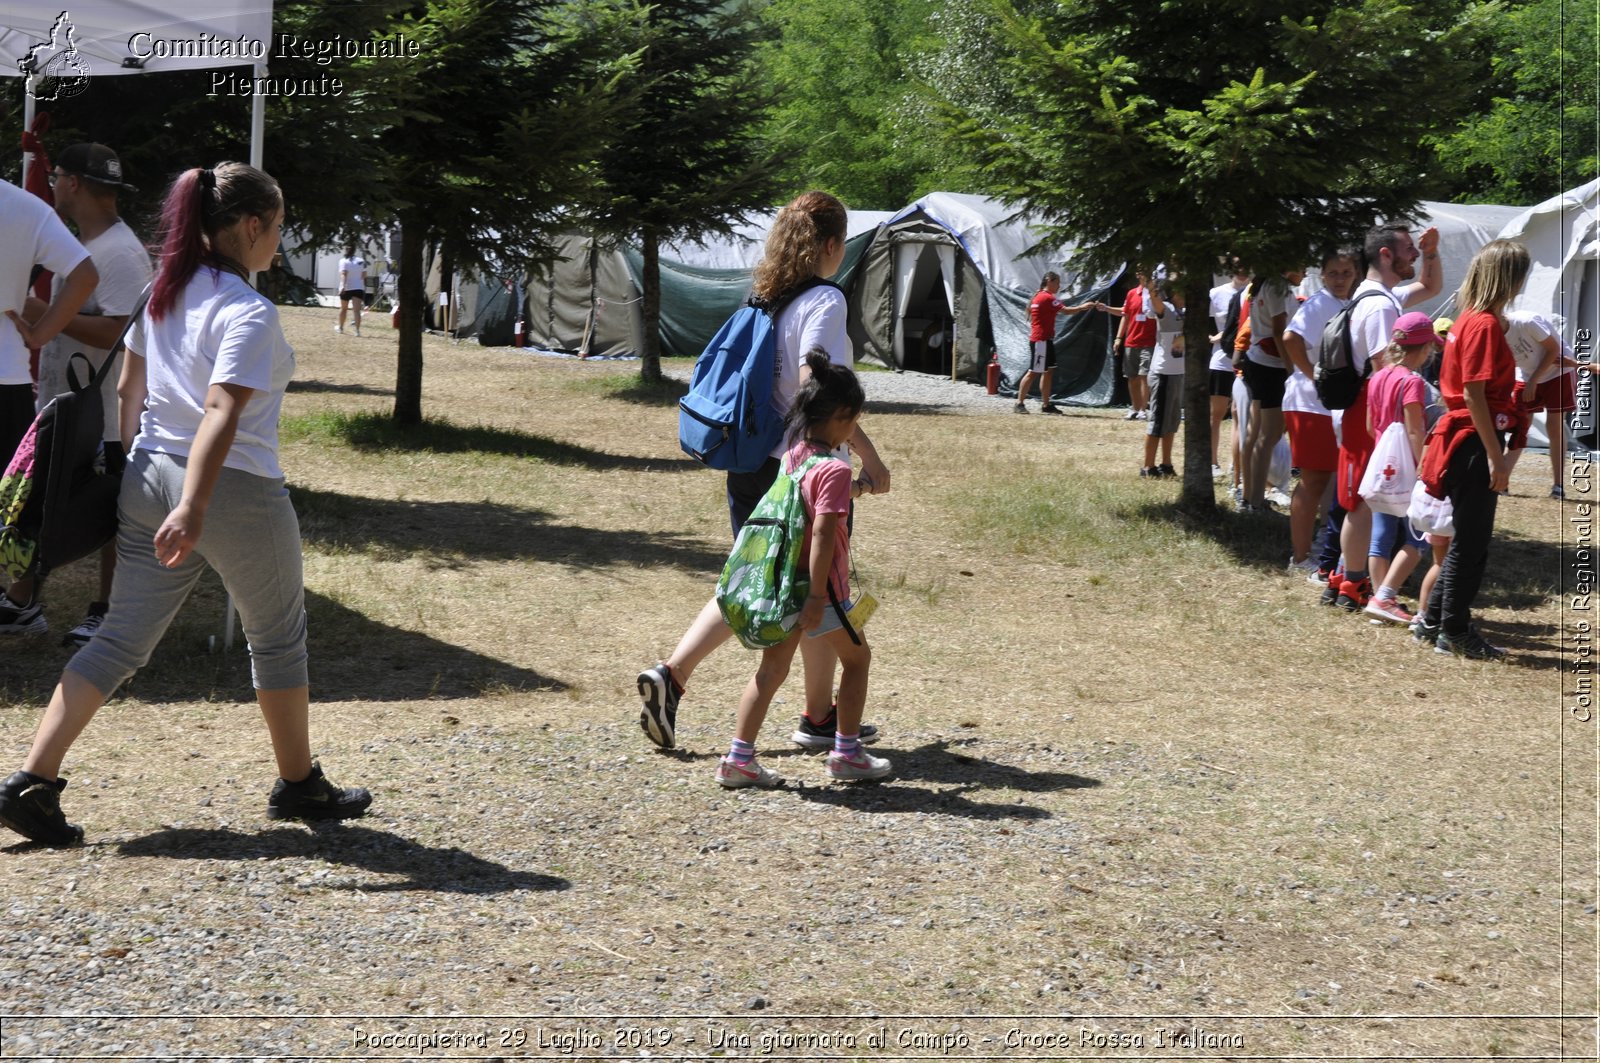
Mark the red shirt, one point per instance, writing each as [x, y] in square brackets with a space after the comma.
[1042, 316]
[1140, 333]
[1477, 350]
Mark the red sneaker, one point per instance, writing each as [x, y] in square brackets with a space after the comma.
[1353, 597]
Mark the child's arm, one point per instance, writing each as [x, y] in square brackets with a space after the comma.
[1414, 429]
[824, 536]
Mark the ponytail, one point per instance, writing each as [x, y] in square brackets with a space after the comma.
[830, 390]
[199, 204]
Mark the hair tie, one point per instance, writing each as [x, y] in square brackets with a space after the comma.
[208, 180]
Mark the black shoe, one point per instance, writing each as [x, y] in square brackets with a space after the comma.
[1468, 644]
[1051, 407]
[31, 806]
[659, 715]
[314, 797]
[1167, 471]
[1422, 631]
[80, 635]
[820, 735]
[1150, 472]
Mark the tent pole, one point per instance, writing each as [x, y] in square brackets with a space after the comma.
[29, 105]
[258, 121]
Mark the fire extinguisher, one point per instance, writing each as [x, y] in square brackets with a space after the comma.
[994, 372]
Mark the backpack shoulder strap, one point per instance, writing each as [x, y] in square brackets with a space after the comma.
[776, 306]
[99, 376]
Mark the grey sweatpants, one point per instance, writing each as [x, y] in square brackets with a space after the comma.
[251, 538]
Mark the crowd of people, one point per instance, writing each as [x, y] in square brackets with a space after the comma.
[1463, 393]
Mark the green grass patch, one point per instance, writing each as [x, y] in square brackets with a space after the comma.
[1090, 520]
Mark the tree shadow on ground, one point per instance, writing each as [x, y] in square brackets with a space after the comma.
[451, 535]
[936, 763]
[380, 852]
[322, 387]
[374, 432]
[352, 658]
[934, 409]
[665, 393]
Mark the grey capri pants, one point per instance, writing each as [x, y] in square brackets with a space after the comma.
[251, 537]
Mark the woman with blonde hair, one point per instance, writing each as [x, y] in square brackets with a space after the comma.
[1466, 459]
[804, 248]
[205, 373]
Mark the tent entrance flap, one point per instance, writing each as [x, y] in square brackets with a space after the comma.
[924, 324]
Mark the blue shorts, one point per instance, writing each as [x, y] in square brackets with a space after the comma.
[1390, 533]
[830, 619]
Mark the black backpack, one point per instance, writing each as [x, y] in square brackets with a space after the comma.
[57, 507]
[1337, 380]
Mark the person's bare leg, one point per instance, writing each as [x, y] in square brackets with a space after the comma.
[1303, 506]
[72, 706]
[287, 714]
[706, 633]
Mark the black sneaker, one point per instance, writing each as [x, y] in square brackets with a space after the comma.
[22, 619]
[31, 806]
[1051, 407]
[314, 797]
[1167, 471]
[820, 735]
[80, 635]
[1468, 644]
[1422, 631]
[659, 714]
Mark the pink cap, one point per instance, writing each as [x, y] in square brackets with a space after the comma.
[1415, 329]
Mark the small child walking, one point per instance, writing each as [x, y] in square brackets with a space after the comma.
[823, 417]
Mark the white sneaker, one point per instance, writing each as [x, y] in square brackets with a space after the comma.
[338, 328]
[358, 330]
[862, 768]
[736, 776]
[1306, 567]
[1217, 473]
[1277, 497]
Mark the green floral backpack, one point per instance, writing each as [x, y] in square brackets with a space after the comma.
[766, 581]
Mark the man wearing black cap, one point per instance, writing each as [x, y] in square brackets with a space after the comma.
[85, 181]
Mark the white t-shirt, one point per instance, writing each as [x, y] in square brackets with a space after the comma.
[124, 268]
[1169, 327]
[219, 331]
[1526, 332]
[354, 271]
[1299, 392]
[816, 318]
[1270, 300]
[1221, 296]
[30, 235]
[1372, 323]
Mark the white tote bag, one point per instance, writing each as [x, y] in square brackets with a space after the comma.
[1390, 474]
[1429, 515]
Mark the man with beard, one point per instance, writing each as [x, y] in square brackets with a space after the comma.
[1391, 258]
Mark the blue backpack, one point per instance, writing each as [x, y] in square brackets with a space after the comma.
[727, 421]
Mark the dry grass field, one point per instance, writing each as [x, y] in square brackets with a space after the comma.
[1150, 801]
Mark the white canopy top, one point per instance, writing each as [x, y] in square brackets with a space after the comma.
[105, 34]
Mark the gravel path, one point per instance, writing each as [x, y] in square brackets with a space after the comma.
[898, 392]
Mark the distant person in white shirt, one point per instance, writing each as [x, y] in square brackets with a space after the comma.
[352, 287]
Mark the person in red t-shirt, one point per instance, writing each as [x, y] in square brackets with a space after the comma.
[1042, 313]
[1137, 334]
[1477, 378]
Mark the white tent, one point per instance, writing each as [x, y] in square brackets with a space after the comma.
[1562, 236]
[98, 38]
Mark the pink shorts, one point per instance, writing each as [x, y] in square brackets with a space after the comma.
[1311, 442]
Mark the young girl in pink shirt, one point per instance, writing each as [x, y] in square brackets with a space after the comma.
[823, 417]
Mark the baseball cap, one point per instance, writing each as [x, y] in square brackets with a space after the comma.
[1442, 325]
[1414, 329]
[96, 162]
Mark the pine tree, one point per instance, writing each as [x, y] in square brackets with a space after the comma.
[1184, 131]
